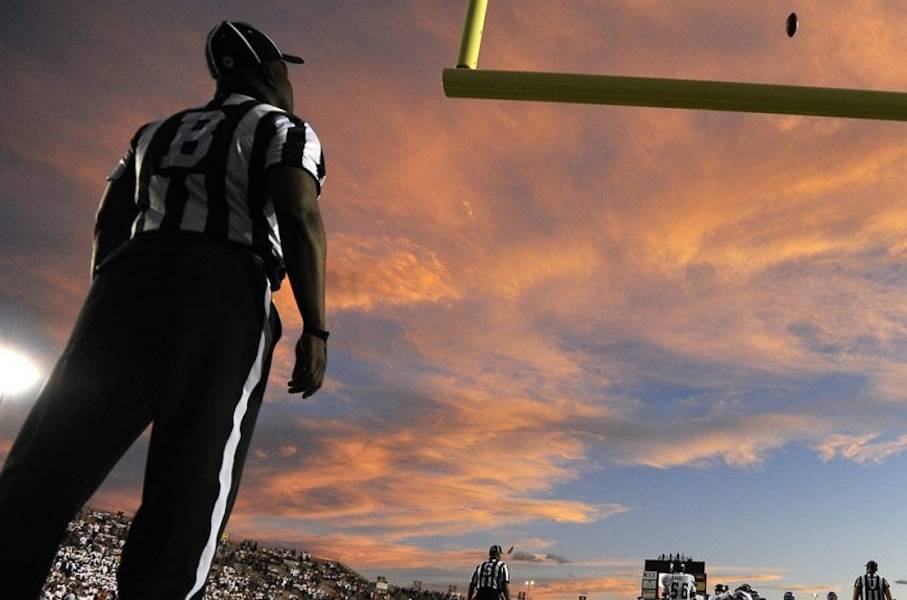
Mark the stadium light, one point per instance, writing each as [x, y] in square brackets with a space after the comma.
[17, 373]
[467, 81]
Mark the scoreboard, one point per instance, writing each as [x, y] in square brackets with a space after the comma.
[655, 568]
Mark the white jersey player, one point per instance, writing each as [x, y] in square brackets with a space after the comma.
[743, 592]
[721, 592]
[678, 586]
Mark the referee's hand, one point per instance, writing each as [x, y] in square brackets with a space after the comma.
[311, 359]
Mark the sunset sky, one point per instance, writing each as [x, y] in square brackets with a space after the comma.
[595, 333]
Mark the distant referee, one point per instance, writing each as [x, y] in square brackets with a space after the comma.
[871, 586]
[489, 580]
[201, 219]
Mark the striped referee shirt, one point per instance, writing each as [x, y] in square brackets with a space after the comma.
[491, 574]
[871, 586]
[203, 170]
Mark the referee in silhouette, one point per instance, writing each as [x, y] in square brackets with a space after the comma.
[490, 579]
[871, 585]
[201, 220]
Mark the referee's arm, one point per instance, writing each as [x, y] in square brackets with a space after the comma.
[505, 581]
[304, 243]
[472, 584]
[116, 213]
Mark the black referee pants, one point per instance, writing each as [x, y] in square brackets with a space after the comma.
[489, 594]
[174, 332]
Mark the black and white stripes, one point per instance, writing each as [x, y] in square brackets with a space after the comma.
[871, 586]
[203, 170]
[491, 574]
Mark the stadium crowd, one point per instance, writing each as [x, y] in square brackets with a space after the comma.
[86, 564]
[399, 593]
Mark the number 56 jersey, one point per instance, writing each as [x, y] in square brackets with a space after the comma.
[678, 586]
[203, 170]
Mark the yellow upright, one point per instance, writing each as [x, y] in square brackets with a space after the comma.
[472, 34]
[466, 81]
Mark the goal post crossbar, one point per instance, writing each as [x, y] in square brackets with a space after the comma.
[675, 93]
[466, 81]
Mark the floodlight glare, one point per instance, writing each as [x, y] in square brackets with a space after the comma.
[17, 373]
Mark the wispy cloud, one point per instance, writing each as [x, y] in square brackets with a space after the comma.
[520, 556]
[743, 442]
[370, 271]
[430, 476]
[860, 449]
[617, 587]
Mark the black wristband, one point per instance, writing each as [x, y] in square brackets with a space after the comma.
[319, 333]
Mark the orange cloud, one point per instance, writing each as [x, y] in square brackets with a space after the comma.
[362, 551]
[745, 441]
[115, 499]
[860, 449]
[366, 272]
[556, 589]
[427, 477]
[737, 575]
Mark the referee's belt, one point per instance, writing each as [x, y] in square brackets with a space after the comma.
[271, 265]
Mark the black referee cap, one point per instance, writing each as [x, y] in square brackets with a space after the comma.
[235, 44]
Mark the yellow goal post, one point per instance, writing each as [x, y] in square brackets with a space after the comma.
[467, 81]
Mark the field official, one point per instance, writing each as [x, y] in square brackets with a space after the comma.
[491, 578]
[201, 219]
[871, 586]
